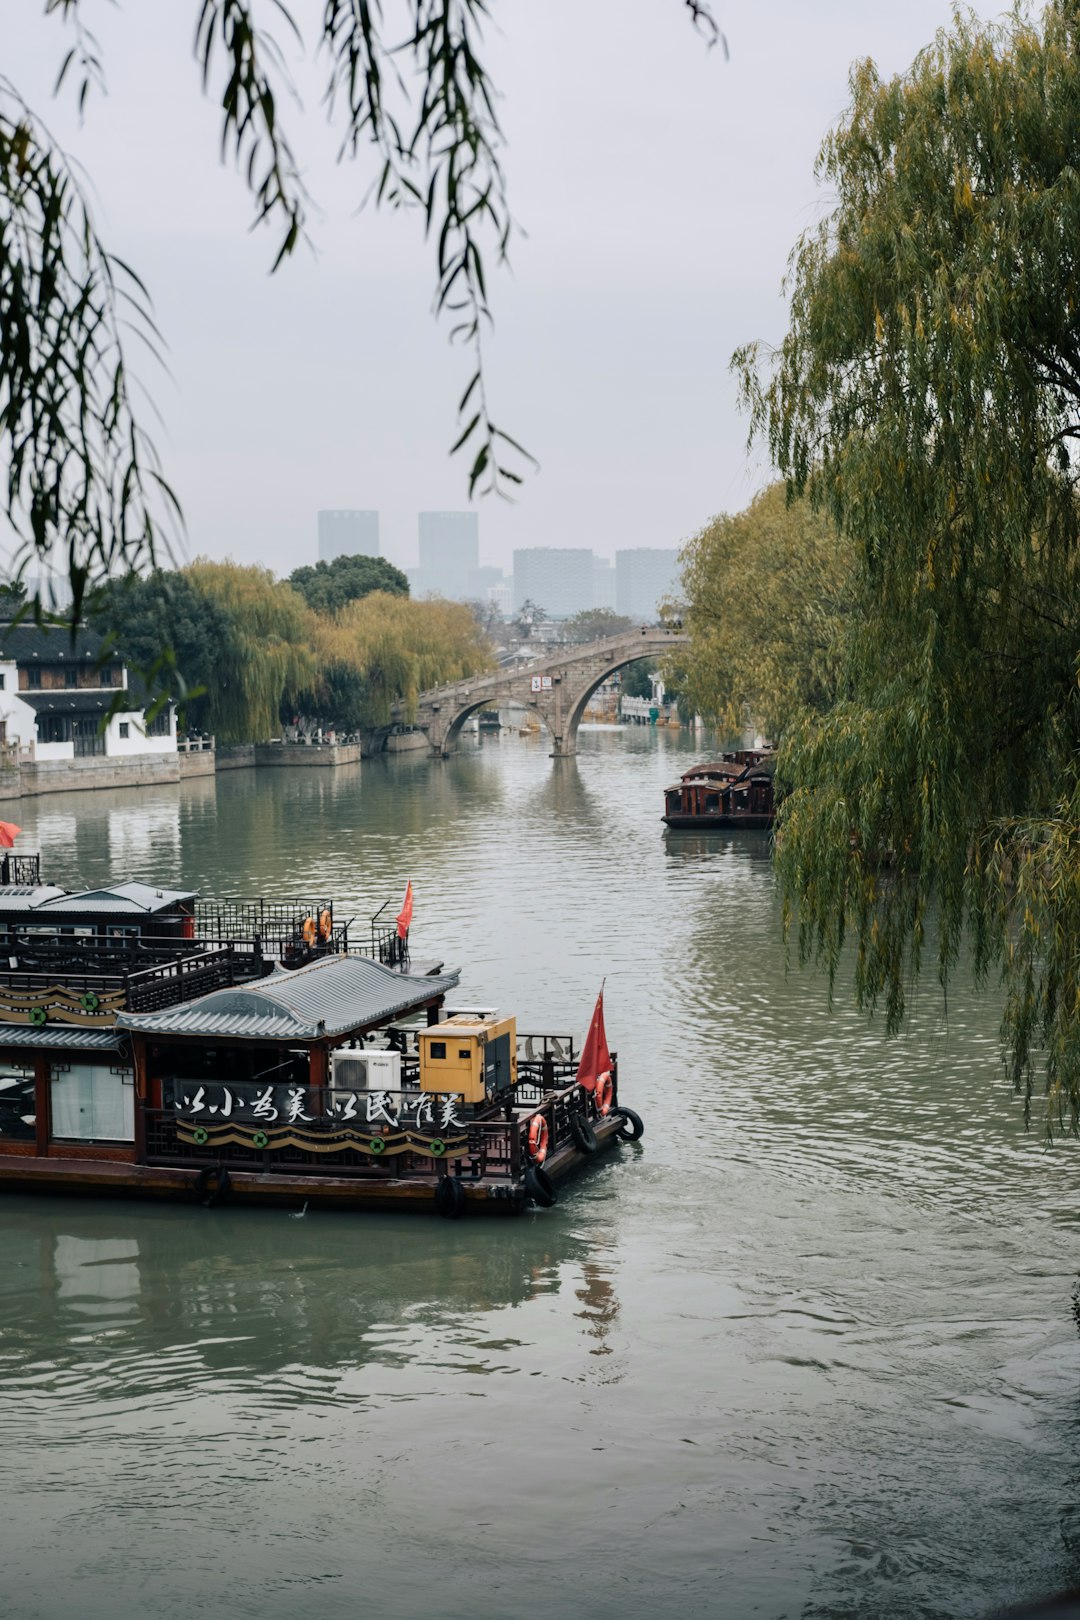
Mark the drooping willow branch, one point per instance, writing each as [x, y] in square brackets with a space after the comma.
[76, 469]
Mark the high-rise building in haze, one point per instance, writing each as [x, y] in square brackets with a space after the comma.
[642, 579]
[348, 534]
[558, 579]
[449, 554]
[603, 583]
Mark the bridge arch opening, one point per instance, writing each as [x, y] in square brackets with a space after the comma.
[580, 701]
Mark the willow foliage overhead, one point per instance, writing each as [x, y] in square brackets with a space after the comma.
[405, 84]
[927, 398]
[766, 595]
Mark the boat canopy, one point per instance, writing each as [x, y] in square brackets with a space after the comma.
[123, 899]
[331, 997]
[74, 1037]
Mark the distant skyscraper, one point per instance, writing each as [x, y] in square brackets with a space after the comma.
[556, 578]
[449, 554]
[481, 581]
[348, 534]
[642, 579]
[603, 583]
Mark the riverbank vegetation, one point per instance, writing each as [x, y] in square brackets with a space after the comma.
[248, 652]
[925, 406]
[767, 596]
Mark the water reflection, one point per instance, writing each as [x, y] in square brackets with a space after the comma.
[255, 1292]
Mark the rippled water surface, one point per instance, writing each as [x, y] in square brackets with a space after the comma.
[804, 1351]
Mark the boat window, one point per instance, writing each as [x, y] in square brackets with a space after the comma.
[92, 1102]
[712, 801]
[17, 1107]
[438, 1049]
[464, 1054]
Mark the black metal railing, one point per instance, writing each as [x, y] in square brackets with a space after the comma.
[170, 984]
[280, 927]
[20, 871]
[387, 945]
[63, 992]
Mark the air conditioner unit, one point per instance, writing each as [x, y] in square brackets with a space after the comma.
[365, 1071]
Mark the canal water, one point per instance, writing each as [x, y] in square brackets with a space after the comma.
[805, 1351]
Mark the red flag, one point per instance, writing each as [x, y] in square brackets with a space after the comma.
[404, 916]
[595, 1057]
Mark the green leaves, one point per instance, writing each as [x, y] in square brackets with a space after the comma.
[78, 471]
[437, 148]
[927, 398]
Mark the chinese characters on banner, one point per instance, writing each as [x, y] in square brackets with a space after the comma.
[246, 1104]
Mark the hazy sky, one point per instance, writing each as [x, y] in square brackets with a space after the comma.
[661, 188]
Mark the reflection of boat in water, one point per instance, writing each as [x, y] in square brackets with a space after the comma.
[735, 790]
[744, 844]
[155, 1044]
[287, 1290]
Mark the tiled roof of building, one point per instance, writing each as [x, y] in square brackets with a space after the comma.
[28, 643]
[328, 998]
[69, 1036]
[80, 700]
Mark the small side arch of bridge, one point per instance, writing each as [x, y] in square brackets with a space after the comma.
[556, 689]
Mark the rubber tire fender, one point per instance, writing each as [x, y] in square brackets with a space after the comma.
[213, 1185]
[634, 1121]
[539, 1187]
[450, 1198]
[582, 1134]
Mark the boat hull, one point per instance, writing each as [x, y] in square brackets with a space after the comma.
[56, 1175]
[718, 823]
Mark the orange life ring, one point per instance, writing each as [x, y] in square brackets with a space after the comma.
[538, 1139]
[326, 924]
[309, 931]
[605, 1093]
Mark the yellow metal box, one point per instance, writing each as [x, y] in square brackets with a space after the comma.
[473, 1056]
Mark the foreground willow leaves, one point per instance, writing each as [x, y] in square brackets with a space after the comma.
[927, 398]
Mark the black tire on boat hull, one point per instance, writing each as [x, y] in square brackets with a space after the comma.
[539, 1186]
[213, 1185]
[635, 1123]
[582, 1134]
[450, 1198]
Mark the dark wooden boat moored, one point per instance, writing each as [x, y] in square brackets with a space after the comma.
[156, 1044]
[734, 790]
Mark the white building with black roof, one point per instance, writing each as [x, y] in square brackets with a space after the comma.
[65, 699]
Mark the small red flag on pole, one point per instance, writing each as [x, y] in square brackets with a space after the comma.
[595, 1057]
[404, 916]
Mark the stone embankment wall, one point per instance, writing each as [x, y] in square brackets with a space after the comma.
[307, 755]
[99, 771]
[25, 778]
[235, 756]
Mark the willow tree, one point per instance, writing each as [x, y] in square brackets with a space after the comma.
[766, 595]
[266, 652]
[383, 649]
[927, 398]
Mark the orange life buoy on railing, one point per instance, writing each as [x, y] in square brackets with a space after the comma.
[538, 1139]
[605, 1093]
[326, 924]
[309, 930]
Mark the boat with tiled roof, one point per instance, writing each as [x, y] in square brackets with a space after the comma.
[158, 1044]
[733, 790]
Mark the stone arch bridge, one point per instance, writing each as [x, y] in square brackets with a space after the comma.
[556, 689]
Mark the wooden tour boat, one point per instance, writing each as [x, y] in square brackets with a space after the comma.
[735, 790]
[158, 1044]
